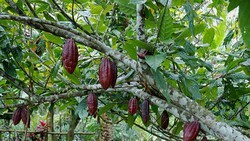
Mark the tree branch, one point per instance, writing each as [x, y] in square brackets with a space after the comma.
[14, 6]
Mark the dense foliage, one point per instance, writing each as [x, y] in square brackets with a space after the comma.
[188, 57]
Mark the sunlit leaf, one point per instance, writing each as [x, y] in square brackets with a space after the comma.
[81, 108]
[126, 7]
[52, 38]
[187, 33]
[131, 50]
[154, 61]
[208, 36]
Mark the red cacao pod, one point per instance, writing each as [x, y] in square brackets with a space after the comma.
[70, 55]
[16, 117]
[164, 119]
[191, 131]
[105, 73]
[92, 103]
[145, 111]
[114, 74]
[25, 117]
[133, 106]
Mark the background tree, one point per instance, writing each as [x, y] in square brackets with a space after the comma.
[190, 58]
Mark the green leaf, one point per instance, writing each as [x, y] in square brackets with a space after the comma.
[131, 119]
[154, 61]
[106, 108]
[72, 77]
[126, 7]
[192, 86]
[161, 83]
[178, 128]
[191, 14]
[206, 65]
[237, 76]
[17, 53]
[52, 38]
[131, 50]
[55, 69]
[244, 22]
[141, 44]
[186, 33]
[234, 64]
[48, 16]
[165, 25]
[9, 68]
[208, 36]
[81, 108]
[229, 37]
[233, 4]
[189, 48]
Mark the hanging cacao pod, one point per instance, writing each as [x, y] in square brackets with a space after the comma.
[133, 106]
[114, 74]
[92, 103]
[164, 119]
[25, 117]
[145, 111]
[16, 117]
[105, 73]
[70, 55]
[191, 131]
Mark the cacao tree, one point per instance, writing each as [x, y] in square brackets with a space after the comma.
[187, 58]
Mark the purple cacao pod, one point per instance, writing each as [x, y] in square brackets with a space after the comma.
[133, 106]
[145, 111]
[92, 103]
[25, 117]
[164, 119]
[16, 117]
[191, 131]
[70, 55]
[114, 74]
[105, 73]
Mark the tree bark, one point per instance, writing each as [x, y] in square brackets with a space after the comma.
[72, 126]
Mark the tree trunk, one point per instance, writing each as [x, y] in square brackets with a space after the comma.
[50, 120]
[73, 124]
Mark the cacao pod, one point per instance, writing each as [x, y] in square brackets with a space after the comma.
[191, 131]
[164, 119]
[16, 117]
[145, 111]
[105, 73]
[133, 106]
[25, 117]
[114, 74]
[92, 103]
[70, 55]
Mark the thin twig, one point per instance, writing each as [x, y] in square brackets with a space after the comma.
[31, 9]
[233, 116]
[69, 18]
